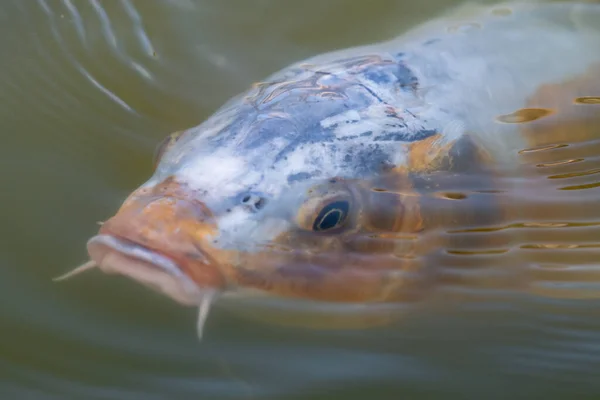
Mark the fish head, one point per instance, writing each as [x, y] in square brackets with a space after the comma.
[280, 192]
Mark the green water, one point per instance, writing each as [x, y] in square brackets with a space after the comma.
[87, 89]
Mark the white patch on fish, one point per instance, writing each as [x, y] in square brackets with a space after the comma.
[220, 174]
[454, 128]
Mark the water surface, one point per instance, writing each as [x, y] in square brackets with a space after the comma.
[88, 88]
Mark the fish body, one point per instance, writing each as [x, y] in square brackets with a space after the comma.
[310, 184]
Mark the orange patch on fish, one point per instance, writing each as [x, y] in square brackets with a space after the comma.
[426, 154]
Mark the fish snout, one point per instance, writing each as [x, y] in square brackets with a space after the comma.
[161, 237]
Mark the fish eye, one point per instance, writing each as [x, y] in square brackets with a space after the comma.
[165, 145]
[331, 216]
[328, 207]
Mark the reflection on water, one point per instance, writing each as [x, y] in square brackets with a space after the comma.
[87, 90]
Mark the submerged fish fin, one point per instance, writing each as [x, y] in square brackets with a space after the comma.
[82, 268]
[206, 300]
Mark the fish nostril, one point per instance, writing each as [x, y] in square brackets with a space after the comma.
[253, 202]
[260, 203]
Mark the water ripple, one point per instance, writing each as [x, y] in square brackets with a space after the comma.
[61, 40]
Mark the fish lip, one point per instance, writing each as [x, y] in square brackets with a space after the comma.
[145, 266]
[134, 250]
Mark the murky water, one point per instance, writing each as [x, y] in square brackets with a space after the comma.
[89, 87]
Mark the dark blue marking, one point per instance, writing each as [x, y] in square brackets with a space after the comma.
[405, 77]
[367, 160]
[372, 93]
[300, 176]
[346, 122]
[378, 76]
[431, 41]
[346, 138]
[397, 73]
[405, 136]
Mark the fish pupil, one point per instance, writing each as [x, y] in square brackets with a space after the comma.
[331, 216]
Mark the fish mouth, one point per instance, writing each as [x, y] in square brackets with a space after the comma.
[114, 255]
